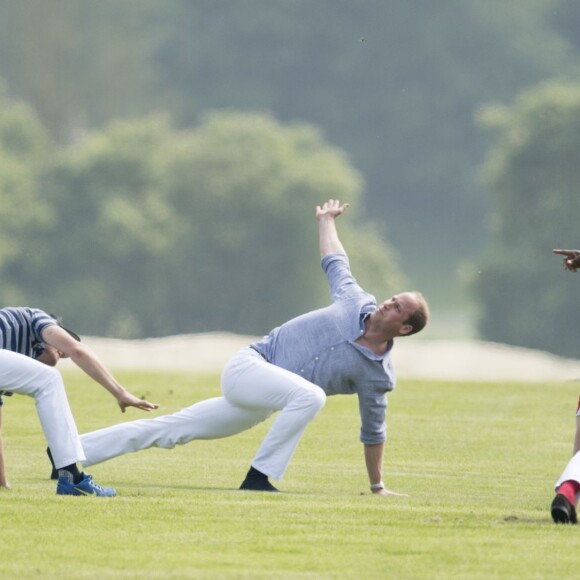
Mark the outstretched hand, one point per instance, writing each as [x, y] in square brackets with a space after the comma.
[571, 259]
[128, 400]
[331, 208]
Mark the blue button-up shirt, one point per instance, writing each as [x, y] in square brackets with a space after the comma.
[321, 346]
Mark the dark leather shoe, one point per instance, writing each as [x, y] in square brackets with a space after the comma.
[252, 484]
[563, 512]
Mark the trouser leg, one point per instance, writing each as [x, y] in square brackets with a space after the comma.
[571, 472]
[211, 419]
[25, 376]
[249, 381]
[252, 390]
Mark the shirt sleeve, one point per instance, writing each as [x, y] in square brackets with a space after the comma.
[341, 282]
[39, 320]
[372, 402]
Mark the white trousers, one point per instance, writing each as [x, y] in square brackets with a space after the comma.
[252, 390]
[572, 471]
[25, 376]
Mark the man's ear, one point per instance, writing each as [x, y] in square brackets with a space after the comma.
[405, 329]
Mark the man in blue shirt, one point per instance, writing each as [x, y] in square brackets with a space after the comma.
[344, 348]
[30, 333]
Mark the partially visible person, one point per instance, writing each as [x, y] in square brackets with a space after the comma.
[24, 376]
[563, 507]
[571, 259]
[34, 334]
[3, 477]
[342, 349]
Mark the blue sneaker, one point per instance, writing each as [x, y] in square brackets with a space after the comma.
[86, 486]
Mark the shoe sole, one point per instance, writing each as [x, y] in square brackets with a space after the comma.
[80, 493]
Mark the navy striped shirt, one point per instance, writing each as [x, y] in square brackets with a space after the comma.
[21, 330]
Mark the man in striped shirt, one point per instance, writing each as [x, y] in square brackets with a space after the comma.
[30, 333]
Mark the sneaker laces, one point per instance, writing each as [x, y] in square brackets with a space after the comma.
[93, 484]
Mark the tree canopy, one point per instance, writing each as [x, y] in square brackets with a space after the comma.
[159, 231]
[534, 168]
[393, 84]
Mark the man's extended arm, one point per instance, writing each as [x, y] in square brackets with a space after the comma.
[58, 338]
[326, 215]
[571, 259]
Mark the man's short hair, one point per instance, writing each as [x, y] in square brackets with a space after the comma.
[418, 320]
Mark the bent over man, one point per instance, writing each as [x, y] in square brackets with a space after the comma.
[344, 348]
[30, 333]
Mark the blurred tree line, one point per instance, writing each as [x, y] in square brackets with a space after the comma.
[534, 167]
[123, 90]
[145, 230]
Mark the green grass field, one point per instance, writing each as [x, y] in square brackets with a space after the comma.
[478, 460]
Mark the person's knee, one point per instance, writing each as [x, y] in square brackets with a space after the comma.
[316, 398]
[50, 379]
[321, 397]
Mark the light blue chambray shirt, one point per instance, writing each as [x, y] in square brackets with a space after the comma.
[321, 347]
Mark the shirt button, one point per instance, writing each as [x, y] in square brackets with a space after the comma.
[331, 348]
[315, 358]
[301, 370]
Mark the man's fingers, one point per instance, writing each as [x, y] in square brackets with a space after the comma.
[569, 253]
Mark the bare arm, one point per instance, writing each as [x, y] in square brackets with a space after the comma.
[326, 215]
[92, 366]
[3, 477]
[374, 462]
[571, 259]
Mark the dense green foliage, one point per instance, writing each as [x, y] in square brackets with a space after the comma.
[23, 143]
[535, 170]
[478, 460]
[394, 84]
[157, 231]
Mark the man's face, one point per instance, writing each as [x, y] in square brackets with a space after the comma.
[390, 316]
[50, 356]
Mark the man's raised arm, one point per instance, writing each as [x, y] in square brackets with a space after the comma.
[326, 215]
